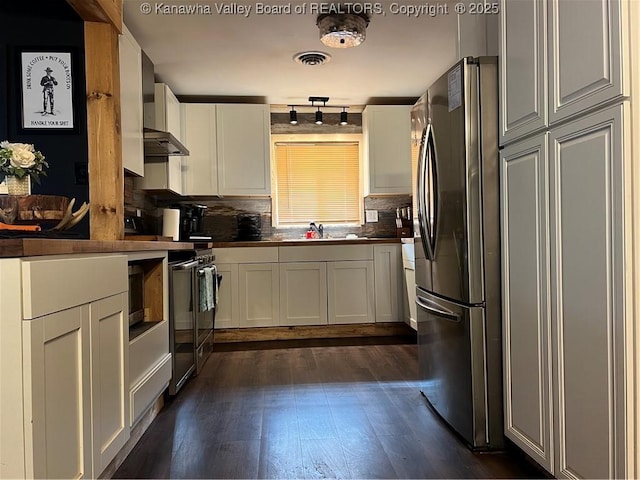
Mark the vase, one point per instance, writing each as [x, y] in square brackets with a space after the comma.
[18, 186]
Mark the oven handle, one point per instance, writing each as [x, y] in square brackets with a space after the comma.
[186, 265]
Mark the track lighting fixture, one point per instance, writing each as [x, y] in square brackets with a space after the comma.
[343, 116]
[319, 116]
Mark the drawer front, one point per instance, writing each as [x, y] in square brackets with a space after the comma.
[149, 388]
[326, 253]
[147, 350]
[52, 284]
[246, 255]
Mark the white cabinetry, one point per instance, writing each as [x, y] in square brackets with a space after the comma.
[350, 292]
[200, 167]
[566, 237]
[588, 302]
[523, 76]
[303, 293]
[227, 315]
[388, 282]
[387, 149]
[131, 113]
[229, 149]
[259, 293]
[71, 338]
[561, 57]
[244, 150]
[586, 43]
[526, 312]
[168, 112]
[163, 176]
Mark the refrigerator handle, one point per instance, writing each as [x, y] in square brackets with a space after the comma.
[422, 214]
[436, 309]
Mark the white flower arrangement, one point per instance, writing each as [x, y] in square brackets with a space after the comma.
[21, 159]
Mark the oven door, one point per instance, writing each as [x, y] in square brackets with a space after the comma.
[207, 281]
[182, 281]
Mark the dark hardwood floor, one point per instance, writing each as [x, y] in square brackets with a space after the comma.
[338, 411]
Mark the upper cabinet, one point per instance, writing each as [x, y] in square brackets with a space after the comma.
[200, 167]
[387, 149]
[243, 148]
[586, 68]
[131, 103]
[523, 98]
[168, 113]
[554, 67]
[229, 149]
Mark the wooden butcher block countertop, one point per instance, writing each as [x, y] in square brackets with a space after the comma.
[27, 247]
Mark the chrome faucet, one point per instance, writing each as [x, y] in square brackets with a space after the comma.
[319, 229]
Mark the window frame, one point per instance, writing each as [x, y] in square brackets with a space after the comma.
[316, 138]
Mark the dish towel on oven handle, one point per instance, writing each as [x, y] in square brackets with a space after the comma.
[206, 288]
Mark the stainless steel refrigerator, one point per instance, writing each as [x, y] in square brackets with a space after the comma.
[457, 252]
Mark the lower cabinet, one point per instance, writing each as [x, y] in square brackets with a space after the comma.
[57, 395]
[350, 292]
[227, 310]
[109, 326]
[566, 328]
[259, 293]
[303, 293]
[71, 339]
[308, 285]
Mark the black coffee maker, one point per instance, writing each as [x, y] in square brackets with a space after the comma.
[191, 218]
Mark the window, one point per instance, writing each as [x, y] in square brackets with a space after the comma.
[317, 181]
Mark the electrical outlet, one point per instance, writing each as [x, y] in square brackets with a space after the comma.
[371, 216]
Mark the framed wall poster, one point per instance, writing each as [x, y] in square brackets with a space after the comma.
[47, 90]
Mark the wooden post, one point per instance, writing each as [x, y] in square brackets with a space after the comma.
[106, 176]
[103, 11]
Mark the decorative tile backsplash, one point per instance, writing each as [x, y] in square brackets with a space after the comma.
[221, 218]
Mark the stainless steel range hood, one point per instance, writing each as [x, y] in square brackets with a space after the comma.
[157, 143]
[161, 144]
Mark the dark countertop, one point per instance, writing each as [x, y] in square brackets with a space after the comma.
[27, 247]
[304, 242]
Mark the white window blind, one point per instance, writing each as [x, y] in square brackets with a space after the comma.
[317, 182]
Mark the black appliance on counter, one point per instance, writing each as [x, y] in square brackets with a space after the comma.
[193, 286]
[249, 227]
[191, 219]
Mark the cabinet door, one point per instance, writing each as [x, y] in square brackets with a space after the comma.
[200, 167]
[587, 285]
[303, 293]
[350, 292]
[227, 311]
[259, 294]
[131, 103]
[168, 111]
[387, 149]
[523, 68]
[58, 395]
[526, 302]
[243, 149]
[162, 176]
[109, 327]
[388, 286]
[586, 66]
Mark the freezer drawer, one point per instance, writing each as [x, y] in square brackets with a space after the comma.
[452, 366]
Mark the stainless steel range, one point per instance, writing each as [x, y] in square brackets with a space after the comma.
[193, 284]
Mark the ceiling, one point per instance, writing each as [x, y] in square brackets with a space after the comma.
[236, 56]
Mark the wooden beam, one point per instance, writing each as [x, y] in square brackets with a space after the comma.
[392, 329]
[101, 11]
[106, 176]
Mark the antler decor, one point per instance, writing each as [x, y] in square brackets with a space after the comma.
[47, 208]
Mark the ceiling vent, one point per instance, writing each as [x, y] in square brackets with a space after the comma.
[312, 58]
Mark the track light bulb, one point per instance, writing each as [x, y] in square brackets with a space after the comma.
[293, 116]
[318, 117]
[343, 117]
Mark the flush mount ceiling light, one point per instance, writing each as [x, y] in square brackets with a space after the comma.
[342, 30]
